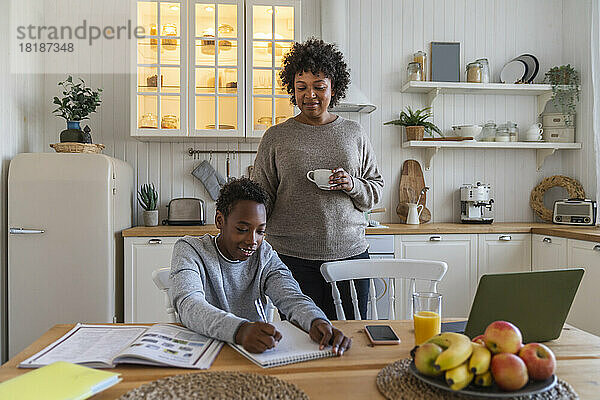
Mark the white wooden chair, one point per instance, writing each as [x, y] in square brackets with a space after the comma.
[163, 282]
[409, 271]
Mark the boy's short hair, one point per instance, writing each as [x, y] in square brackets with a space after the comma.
[237, 190]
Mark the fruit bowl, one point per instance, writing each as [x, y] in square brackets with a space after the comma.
[533, 387]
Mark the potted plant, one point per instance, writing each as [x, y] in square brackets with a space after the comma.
[148, 199]
[77, 103]
[565, 90]
[416, 123]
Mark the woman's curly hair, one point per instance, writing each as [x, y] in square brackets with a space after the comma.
[316, 56]
[237, 190]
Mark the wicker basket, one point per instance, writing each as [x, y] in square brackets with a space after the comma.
[415, 132]
[74, 147]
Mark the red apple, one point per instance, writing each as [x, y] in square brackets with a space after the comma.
[479, 339]
[503, 337]
[539, 359]
[509, 371]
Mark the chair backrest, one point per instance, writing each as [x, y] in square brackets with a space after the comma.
[409, 271]
[163, 282]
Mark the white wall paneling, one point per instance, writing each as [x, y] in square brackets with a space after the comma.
[382, 35]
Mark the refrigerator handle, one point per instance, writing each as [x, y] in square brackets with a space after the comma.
[22, 231]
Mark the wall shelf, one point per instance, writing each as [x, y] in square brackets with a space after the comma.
[543, 149]
[434, 89]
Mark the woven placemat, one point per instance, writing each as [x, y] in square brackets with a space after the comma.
[216, 385]
[395, 382]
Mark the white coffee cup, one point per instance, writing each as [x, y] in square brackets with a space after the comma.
[320, 177]
[533, 133]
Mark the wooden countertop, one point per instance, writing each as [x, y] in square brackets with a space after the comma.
[581, 233]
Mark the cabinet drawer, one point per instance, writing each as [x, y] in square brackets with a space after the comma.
[381, 244]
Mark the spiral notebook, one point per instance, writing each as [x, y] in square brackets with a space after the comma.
[294, 346]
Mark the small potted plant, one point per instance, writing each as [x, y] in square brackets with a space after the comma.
[78, 102]
[416, 123]
[565, 90]
[148, 199]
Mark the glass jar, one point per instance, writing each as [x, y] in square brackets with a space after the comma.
[148, 120]
[488, 133]
[513, 131]
[502, 133]
[485, 69]
[474, 72]
[421, 58]
[414, 71]
[169, 121]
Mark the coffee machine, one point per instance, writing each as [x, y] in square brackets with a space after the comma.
[476, 204]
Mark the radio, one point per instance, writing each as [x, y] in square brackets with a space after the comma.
[574, 212]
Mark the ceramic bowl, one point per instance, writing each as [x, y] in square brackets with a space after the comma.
[467, 130]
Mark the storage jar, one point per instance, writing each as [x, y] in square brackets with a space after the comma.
[485, 69]
[414, 71]
[421, 58]
[474, 72]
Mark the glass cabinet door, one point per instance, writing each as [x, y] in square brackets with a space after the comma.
[160, 57]
[217, 57]
[272, 27]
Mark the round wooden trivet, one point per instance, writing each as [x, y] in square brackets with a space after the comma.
[395, 382]
[216, 385]
[536, 201]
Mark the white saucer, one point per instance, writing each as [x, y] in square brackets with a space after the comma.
[325, 187]
[532, 140]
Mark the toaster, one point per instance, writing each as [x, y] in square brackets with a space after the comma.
[574, 212]
[186, 211]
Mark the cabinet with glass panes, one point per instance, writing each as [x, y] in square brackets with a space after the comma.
[210, 69]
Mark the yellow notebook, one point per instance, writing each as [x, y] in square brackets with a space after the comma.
[60, 380]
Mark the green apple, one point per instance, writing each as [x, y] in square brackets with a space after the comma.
[425, 357]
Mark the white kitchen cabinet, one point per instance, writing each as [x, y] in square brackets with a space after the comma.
[143, 301]
[460, 253]
[584, 311]
[548, 252]
[209, 68]
[503, 252]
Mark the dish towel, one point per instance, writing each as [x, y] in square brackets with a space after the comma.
[211, 179]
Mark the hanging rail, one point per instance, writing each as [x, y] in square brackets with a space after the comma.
[193, 152]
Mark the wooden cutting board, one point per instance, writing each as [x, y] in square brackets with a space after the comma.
[411, 184]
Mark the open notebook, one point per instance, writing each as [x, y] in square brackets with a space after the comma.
[294, 346]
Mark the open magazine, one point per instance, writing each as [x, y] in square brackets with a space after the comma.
[105, 346]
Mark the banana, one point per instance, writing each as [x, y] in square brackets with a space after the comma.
[480, 359]
[484, 379]
[459, 377]
[457, 350]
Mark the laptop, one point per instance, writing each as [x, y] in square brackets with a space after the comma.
[536, 302]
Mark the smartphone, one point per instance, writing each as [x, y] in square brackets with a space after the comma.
[381, 334]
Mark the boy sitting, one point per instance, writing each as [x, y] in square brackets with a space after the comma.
[216, 279]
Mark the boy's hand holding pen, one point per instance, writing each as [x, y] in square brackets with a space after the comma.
[256, 337]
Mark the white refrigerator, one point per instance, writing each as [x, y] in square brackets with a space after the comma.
[65, 250]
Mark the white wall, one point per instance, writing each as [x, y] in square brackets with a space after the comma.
[382, 36]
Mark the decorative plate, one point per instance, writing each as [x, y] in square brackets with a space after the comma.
[533, 66]
[513, 72]
[533, 387]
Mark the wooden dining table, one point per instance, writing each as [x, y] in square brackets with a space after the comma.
[351, 376]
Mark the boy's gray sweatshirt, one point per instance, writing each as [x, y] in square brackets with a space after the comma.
[214, 296]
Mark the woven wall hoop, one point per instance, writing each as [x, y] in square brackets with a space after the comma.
[536, 200]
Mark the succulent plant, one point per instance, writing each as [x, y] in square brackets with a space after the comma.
[416, 118]
[148, 197]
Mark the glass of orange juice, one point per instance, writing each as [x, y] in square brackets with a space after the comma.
[427, 315]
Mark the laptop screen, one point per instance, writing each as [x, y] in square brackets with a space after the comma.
[537, 302]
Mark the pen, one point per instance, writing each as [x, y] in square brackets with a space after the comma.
[260, 310]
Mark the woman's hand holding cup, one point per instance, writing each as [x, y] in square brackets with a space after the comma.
[341, 180]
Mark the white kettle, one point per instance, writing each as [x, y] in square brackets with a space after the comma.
[414, 213]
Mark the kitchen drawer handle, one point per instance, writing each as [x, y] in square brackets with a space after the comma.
[597, 247]
[22, 231]
[506, 238]
[155, 241]
[547, 240]
[435, 239]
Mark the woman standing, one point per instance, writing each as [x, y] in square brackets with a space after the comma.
[309, 225]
